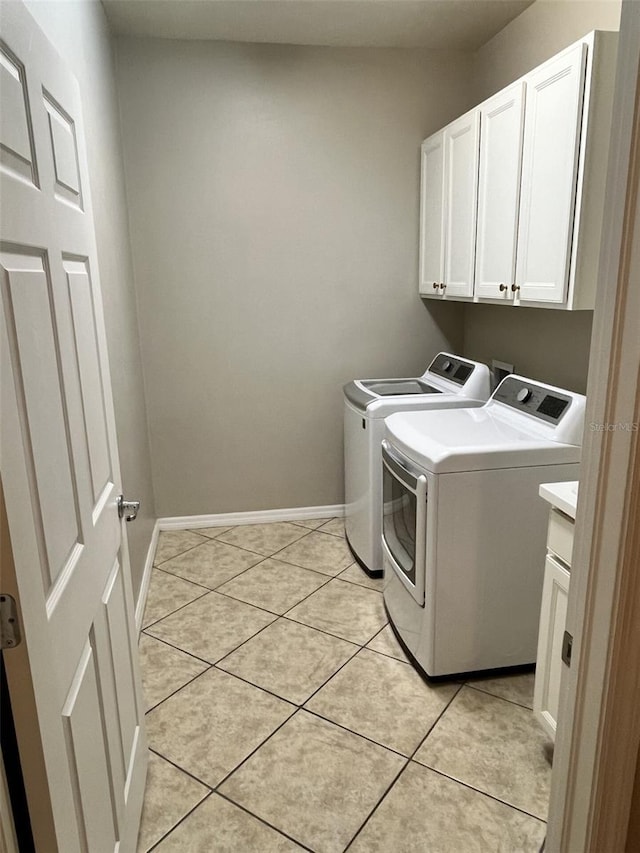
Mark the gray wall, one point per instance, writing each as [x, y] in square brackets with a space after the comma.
[549, 345]
[273, 197]
[79, 32]
[543, 29]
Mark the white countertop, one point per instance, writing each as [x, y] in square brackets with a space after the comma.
[563, 496]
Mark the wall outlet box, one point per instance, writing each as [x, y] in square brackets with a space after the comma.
[500, 369]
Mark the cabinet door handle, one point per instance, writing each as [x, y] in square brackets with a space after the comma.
[435, 285]
[515, 288]
[442, 286]
[503, 287]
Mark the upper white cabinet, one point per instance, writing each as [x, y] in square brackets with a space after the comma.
[558, 264]
[521, 195]
[449, 186]
[432, 215]
[461, 141]
[549, 170]
[502, 120]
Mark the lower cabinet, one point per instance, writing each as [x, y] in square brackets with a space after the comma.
[553, 616]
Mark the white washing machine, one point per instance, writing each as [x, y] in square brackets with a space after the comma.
[464, 530]
[449, 381]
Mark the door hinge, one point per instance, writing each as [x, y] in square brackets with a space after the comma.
[567, 647]
[10, 635]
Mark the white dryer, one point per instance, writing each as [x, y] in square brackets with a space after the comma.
[464, 529]
[448, 382]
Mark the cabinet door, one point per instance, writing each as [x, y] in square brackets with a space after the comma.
[553, 617]
[461, 140]
[502, 120]
[432, 215]
[549, 170]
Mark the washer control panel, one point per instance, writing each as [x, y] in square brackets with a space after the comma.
[542, 402]
[448, 366]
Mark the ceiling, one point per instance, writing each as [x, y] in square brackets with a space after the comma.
[434, 24]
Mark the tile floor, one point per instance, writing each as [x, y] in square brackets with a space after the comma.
[282, 714]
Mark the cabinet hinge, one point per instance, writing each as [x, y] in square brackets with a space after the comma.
[10, 635]
[567, 646]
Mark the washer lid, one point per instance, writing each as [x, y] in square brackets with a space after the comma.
[395, 387]
[447, 375]
[454, 440]
[363, 392]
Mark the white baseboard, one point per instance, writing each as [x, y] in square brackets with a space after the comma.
[146, 577]
[229, 519]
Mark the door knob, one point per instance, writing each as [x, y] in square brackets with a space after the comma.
[127, 509]
[503, 287]
[515, 288]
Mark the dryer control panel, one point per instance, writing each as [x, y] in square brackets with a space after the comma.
[542, 401]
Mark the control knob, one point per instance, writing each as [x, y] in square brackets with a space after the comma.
[523, 395]
[447, 365]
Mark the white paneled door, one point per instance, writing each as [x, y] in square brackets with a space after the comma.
[59, 457]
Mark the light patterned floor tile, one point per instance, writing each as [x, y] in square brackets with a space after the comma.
[174, 542]
[167, 594]
[386, 644]
[314, 781]
[319, 551]
[382, 699]
[212, 563]
[494, 746]
[210, 532]
[274, 585]
[515, 688]
[310, 777]
[289, 659]
[344, 610]
[335, 527]
[170, 794]
[311, 523]
[428, 812]
[354, 574]
[212, 626]
[264, 539]
[218, 826]
[164, 669]
[213, 724]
